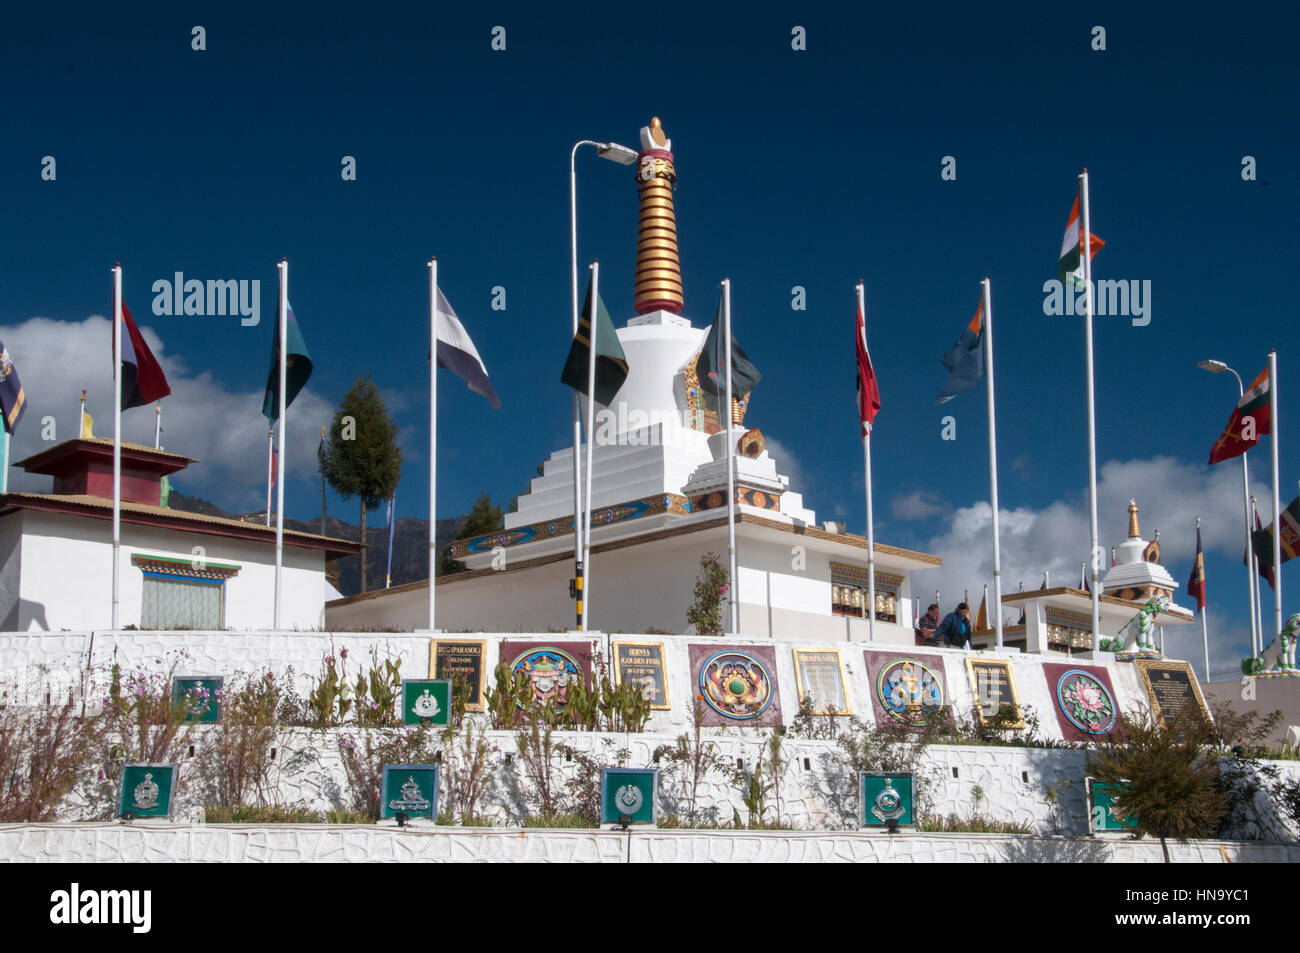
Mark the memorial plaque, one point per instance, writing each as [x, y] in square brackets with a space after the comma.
[631, 793]
[887, 796]
[737, 684]
[204, 692]
[1171, 688]
[1102, 815]
[147, 790]
[642, 663]
[426, 701]
[1083, 699]
[451, 657]
[410, 789]
[819, 677]
[995, 692]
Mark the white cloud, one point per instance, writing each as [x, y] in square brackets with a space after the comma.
[203, 418]
[922, 504]
[1169, 493]
[787, 465]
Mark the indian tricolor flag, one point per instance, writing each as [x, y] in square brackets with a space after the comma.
[1070, 267]
[1252, 417]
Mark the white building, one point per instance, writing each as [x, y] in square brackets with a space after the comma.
[178, 570]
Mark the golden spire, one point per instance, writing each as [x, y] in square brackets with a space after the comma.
[658, 271]
[1133, 531]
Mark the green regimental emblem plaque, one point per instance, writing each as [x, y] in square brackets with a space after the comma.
[410, 789]
[629, 795]
[203, 692]
[426, 701]
[1102, 813]
[147, 790]
[887, 798]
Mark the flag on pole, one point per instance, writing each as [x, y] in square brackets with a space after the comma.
[275, 460]
[1265, 571]
[965, 359]
[1251, 418]
[297, 367]
[982, 617]
[1196, 585]
[13, 401]
[142, 379]
[1070, 267]
[1263, 539]
[457, 353]
[868, 389]
[388, 573]
[712, 370]
[611, 362]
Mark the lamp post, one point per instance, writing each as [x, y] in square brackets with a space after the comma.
[624, 156]
[1256, 624]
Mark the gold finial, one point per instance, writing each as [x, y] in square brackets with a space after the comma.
[1133, 531]
[658, 271]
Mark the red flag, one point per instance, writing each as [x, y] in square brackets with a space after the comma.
[868, 391]
[1252, 416]
[142, 379]
[1196, 585]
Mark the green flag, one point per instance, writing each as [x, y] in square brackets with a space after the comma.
[611, 364]
[297, 368]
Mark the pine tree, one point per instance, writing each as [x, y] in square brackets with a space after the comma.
[362, 458]
[483, 518]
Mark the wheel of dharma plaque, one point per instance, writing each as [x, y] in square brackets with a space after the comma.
[909, 691]
[736, 685]
[550, 671]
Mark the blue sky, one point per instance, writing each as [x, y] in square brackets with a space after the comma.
[809, 168]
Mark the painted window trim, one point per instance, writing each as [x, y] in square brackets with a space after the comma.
[184, 568]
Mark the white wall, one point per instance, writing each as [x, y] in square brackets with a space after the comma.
[66, 575]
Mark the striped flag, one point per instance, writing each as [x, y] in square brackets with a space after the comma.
[457, 353]
[1196, 585]
[1252, 417]
[1263, 538]
[965, 359]
[142, 379]
[1070, 267]
[296, 371]
[868, 389]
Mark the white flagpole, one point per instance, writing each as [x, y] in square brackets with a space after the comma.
[157, 425]
[591, 424]
[993, 460]
[731, 465]
[871, 525]
[1255, 594]
[1093, 552]
[270, 465]
[117, 441]
[433, 440]
[577, 407]
[1205, 634]
[4, 475]
[1255, 648]
[279, 479]
[1277, 501]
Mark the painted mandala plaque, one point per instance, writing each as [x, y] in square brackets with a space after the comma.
[552, 668]
[464, 657]
[907, 688]
[737, 684]
[426, 701]
[629, 792]
[410, 789]
[204, 694]
[1085, 702]
[1171, 688]
[995, 693]
[885, 797]
[1102, 816]
[820, 679]
[643, 664]
[147, 789]
[757, 705]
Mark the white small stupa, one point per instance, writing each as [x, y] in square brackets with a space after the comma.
[1137, 574]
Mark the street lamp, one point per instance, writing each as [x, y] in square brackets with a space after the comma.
[623, 156]
[1256, 623]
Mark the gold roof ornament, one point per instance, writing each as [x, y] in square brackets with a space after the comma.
[1133, 531]
[658, 270]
